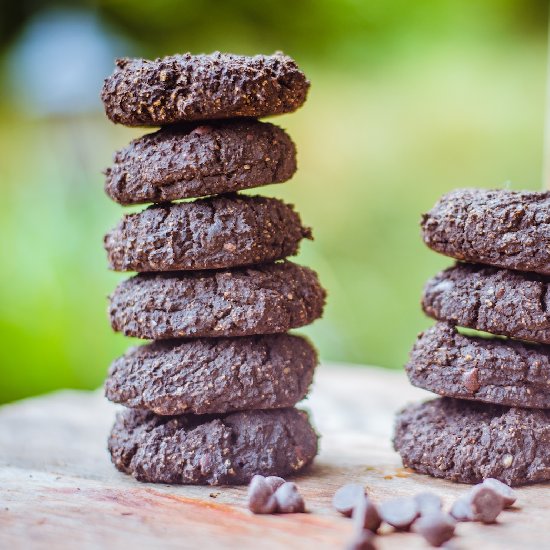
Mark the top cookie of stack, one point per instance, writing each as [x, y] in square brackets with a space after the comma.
[182, 88]
[494, 419]
[225, 307]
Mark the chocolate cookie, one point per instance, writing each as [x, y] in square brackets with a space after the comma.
[467, 441]
[213, 375]
[212, 233]
[265, 299]
[202, 87]
[501, 228]
[195, 160]
[494, 300]
[212, 449]
[499, 371]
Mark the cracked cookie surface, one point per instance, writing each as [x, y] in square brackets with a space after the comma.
[187, 87]
[507, 229]
[212, 449]
[266, 299]
[212, 233]
[499, 301]
[500, 371]
[194, 160]
[213, 375]
[468, 441]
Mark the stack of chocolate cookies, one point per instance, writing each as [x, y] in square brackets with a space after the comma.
[494, 418]
[211, 399]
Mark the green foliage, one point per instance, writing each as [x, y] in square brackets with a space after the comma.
[327, 31]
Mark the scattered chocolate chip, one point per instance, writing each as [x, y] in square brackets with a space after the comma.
[486, 503]
[399, 512]
[427, 502]
[436, 527]
[362, 540]
[260, 496]
[505, 491]
[346, 497]
[365, 515]
[288, 499]
[461, 510]
[274, 482]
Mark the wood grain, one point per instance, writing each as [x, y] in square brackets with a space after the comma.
[58, 488]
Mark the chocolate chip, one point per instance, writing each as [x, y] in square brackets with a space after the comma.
[289, 500]
[471, 380]
[427, 502]
[505, 491]
[461, 509]
[362, 540]
[346, 497]
[260, 496]
[399, 512]
[274, 482]
[436, 527]
[365, 515]
[486, 503]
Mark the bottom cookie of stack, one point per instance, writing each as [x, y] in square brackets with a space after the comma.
[468, 441]
[212, 449]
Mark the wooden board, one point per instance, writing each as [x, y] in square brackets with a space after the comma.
[59, 490]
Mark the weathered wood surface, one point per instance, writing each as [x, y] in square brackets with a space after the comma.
[59, 490]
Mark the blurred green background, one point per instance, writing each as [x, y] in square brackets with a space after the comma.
[408, 100]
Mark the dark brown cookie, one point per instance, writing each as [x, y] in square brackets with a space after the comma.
[265, 299]
[195, 160]
[505, 372]
[213, 375]
[212, 233]
[212, 449]
[498, 301]
[202, 87]
[502, 228]
[468, 441]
